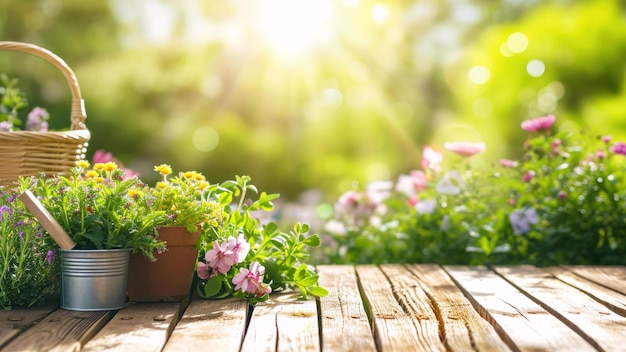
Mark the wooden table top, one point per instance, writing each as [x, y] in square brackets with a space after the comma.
[369, 308]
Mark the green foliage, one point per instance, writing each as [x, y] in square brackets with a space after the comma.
[281, 255]
[99, 208]
[29, 265]
[563, 203]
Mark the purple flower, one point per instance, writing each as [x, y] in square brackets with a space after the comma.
[50, 257]
[37, 120]
[6, 126]
[5, 209]
[529, 175]
[522, 219]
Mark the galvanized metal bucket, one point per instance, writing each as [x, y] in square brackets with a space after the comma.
[94, 280]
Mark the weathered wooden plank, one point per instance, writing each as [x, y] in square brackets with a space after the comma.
[463, 328]
[138, 327]
[613, 300]
[394, 328]
[62, 330]
[283, 323]
[345, 326]
[208, 324]
[522, 323]
[415, 302]
[601, 327]
[613, 277]
[17, 320]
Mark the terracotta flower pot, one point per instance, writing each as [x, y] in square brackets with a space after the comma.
[169, 277]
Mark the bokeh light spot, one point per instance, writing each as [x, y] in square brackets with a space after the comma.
[517, 42]
[536, 68]
[380, 13]
[479, 74]
[205, 139]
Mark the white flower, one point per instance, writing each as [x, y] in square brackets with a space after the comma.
[450, 184]
[426, 206]
[378, 191]
[522, 219]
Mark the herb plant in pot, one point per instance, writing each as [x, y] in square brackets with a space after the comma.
[183, 200]
[106, 216]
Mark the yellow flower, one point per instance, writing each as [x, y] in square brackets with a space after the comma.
[110, 166]
[161, 185]
[99, 179]
[199, 176]
[91, 174]
[189, 174]
[98, 166]
[135, 193]
[83, 164]
[202, 185]
[163, 169]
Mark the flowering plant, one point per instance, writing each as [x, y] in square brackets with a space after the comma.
[241, 257]
[28, 266]
[11, 101]
[100, 208]
[183, 199]
[563, 202]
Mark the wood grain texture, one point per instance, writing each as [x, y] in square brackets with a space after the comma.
[345, 326]
[394, 328]
[62, 330]
[138, 327]
[522, 323]
[613, 300]
[283, 323]
[15, 321]
[463, 329]
[208, 324]
[613, 277]
[601, 327]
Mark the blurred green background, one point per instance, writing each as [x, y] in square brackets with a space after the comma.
[308, 97]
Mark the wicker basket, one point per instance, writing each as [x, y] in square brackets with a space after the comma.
[30, 153]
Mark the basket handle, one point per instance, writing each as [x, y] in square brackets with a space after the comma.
[78, 114]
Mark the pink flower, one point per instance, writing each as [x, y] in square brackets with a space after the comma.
[431, 158]
[205, 272]
[606, 139]
[539, 123]
[508, 163]
[600, 154]
[528, 176]
[562, 195]
[101, 156]
[465, 149]
[238, 248]
[220, 258]
[411, 184]
[250, 280]
[618, 148]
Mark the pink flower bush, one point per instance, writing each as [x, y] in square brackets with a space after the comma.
[539, 123]
[564, 201]
[465, 149]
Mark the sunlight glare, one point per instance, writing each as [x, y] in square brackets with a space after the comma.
[292, 27]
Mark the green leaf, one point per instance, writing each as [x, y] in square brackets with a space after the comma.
[318, 291]
[313, 241]
[212, 287]
[308, 281]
